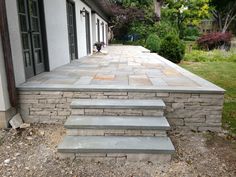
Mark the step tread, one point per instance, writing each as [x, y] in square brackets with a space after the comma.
[117, 103]
[116, 144]
[115, 122]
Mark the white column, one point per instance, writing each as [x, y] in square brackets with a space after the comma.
[4, 98]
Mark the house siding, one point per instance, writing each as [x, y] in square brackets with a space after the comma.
[57, 32]
[6, 112]
[15, 39]
[81, 30]
[4, 98]
[96, 17]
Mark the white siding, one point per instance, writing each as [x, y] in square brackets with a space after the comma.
[4, 98]
[95, 29]
[57, 32]
[15, 38]
[81, 31]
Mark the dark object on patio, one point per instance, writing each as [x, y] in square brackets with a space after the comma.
[99, 45]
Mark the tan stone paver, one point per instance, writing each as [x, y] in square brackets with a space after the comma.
[123, 66]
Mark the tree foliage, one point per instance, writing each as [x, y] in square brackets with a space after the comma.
[186, 12]
[224, 12]
[128, 13]
[215, 40]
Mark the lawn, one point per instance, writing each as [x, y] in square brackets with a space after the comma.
[222, 74]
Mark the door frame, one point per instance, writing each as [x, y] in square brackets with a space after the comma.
[98, 30]
[88, 36]
[75, 28]
[43, 36]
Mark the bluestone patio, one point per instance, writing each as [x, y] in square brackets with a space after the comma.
[112, 102]
[121, 67]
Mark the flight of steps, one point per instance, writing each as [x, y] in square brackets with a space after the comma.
[134, 130]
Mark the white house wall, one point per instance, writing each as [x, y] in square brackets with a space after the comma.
[81, 30]
[57, 32]
[95, 29]
[4, 98]
[15, 39]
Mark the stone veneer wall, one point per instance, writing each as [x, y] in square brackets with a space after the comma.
[201, 111]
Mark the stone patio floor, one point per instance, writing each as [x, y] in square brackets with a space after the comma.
[120, 68]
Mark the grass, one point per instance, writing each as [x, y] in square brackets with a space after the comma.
[211, 56]
[223, 74]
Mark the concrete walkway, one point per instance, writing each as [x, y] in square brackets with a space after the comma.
[122, 67]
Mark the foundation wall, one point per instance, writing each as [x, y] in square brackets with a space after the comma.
[195, 111]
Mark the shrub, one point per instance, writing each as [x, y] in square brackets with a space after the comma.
[172, 48]
[191, 34]
[153, 43]
[210, 56]
[163, 29]
[215, 40]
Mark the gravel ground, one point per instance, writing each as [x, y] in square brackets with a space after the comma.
[32, 152]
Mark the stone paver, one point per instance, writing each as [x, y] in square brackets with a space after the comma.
[109, 144]
[123, 67]
[113, 122]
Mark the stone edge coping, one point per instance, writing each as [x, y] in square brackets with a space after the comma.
[204, 85]
[115, 88]
[195, 78]
[117, 104]
[72, 123]
[70, 145]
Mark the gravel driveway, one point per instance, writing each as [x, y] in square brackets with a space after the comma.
[32, 152]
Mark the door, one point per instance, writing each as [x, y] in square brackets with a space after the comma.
[31, 35]
[71, 21]
[103, 32]
[87, 28]
[98, 31]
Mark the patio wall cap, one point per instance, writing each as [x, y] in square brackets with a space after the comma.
[115, 88]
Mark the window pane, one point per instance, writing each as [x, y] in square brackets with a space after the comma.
[25, 41]
[36, 39]
[23, 23]
[21, 5]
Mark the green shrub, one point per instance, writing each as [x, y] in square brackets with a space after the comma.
[210, 56]
[190, 38]
[164, 29]
[153, 43]
[172, 48]
[191, 34]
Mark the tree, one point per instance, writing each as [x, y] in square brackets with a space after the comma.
[157, 8]
[186, 12]
[224, 12]
[129, 13]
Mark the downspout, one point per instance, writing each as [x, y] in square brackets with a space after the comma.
[7, 54]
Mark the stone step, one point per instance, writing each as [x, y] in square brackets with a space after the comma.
[116, 126]
[116, 104]
[114, 122]
[109, 144]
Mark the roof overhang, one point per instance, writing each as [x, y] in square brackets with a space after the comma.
[101, 7]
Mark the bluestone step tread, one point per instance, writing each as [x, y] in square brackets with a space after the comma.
[117, 103]
[116, 144]
[115, 122]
